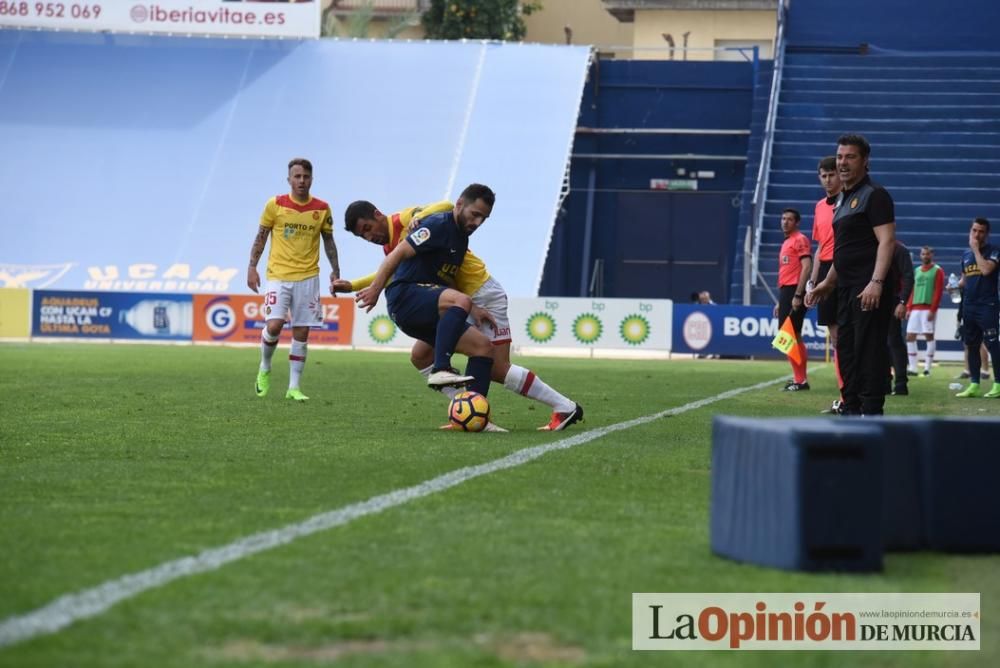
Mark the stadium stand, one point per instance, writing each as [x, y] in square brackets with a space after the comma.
[928, 102]
[645, 121]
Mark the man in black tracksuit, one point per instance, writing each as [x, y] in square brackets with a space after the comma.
[864, 240]
[902, 269]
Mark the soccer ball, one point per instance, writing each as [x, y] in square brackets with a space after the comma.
[469, 411]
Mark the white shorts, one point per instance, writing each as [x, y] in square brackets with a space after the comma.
[919, 323]
[295, 302]
[492, 297]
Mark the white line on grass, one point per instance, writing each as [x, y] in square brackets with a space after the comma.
[70, 608]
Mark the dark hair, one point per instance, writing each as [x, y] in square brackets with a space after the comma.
[478, 191]
[856, 140]
[827, 164]
[356, 211]
[694, 297]
[301, 162]
[929, 249]
[794, 212]
[982, 221]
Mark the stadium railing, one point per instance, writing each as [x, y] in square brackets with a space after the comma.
[750, 268]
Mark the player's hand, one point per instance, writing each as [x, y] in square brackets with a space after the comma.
[818, 293]
[367, 298]
[930, 316]
[797, 303]
[253, 279]
[481, 315]
[340, 285]
[900, 312]
[870, 296]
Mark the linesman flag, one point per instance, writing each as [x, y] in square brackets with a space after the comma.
[786, 342]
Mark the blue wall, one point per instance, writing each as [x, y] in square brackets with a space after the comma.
[654, 244]
[907, 25]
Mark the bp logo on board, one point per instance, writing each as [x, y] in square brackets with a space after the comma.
[587, 328]
[634, 329]
[382, 329]
[541, 327]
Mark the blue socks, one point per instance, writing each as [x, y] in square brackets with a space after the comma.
[451, 325]
[480, 368]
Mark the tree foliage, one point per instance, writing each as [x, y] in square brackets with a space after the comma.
[478, 19]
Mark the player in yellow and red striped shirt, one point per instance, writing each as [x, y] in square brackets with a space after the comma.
[295, 222]
[363, 219]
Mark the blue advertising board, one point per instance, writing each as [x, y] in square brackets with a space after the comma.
[111, 315]
[719, 329]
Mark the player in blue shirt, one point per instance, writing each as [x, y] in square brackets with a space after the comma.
[981, 305]
[420, 275]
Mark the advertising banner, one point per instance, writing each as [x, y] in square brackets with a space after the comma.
[111, 315]
[15, 312]
[717, 329]
[377, 330]
[747, 331]
[239, 319]
[258, 18]
[635, 324]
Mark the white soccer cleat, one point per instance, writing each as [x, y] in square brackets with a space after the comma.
[446, 378]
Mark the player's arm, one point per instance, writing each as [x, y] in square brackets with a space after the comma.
[872, 293]
[824, 288]
[330, 247]
[353, 285]
[905, 269]
[253, 278]
[814, 274]
[368, 297]
[798, 299]
[428, 210]
[986, 264]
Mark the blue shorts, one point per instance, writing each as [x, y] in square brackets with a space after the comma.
[414, 307]
[978, 323]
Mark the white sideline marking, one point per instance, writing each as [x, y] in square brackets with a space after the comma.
[70, 608]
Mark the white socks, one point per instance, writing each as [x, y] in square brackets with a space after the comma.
[911, 353]
[268, 345]
[525, 382]
[296, 362]
[521, 381]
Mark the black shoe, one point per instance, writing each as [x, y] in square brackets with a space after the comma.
[900, 392]
[796, 387]
[836, 408]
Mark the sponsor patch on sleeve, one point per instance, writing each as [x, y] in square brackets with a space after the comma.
[420, 235]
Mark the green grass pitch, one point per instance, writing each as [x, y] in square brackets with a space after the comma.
[117, 458]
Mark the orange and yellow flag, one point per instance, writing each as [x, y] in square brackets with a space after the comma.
[786, 342]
